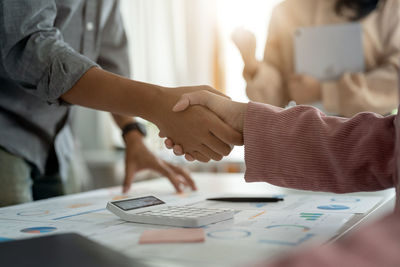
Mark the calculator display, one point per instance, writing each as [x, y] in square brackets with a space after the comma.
[137, 203]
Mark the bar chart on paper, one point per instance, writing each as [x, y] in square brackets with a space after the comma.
[305, 203]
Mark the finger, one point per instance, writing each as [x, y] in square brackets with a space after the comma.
[165, 170]
[185, 174]
[130, 170]
[208, 152]
[178, 150]
[214, 91]
[161, 135]
[182, 104]
[227, 134]
[189, 157]
[181, 180]
[195, 98]
[218, 146]
[199, 156]
[168, 143]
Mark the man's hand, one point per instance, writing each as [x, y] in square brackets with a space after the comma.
[199, 131]
[138, 158]
[304, 89]
[229, 111]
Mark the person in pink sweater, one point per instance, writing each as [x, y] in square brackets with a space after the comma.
[303, 148]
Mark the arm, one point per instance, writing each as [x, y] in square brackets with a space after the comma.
[263, 78]
[138, 157]
[302, 148]
[376, 89]
[198, 130]
[36, 57]
[114, 57]
[33, 52]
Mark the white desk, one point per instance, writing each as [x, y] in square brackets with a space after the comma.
[84, 213]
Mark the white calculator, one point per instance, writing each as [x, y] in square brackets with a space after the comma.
[152, 210]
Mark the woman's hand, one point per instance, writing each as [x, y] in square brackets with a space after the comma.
[304, 89]
[246, 43]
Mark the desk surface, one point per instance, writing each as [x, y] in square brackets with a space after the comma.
[250, 237]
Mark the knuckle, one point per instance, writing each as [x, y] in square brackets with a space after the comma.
[218, 158]
[227, 151]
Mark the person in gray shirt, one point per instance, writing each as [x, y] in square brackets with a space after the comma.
[55, 54]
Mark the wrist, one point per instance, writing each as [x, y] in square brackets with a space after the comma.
[146, 97]
[161, 104]
[239, 120]
[132, 137]
[250, 68]
[133, 126]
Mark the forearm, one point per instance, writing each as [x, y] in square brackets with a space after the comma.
[304, 149]
[250, 67]
[266, 86]
[122, 120]
[375, 91]
[102, 90]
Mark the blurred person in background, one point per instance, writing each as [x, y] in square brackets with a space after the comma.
[275, 82]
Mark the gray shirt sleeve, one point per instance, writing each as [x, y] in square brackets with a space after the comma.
[33, 52]
[114, 55]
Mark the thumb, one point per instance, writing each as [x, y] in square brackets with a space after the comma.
[182, 104]
[195, 98]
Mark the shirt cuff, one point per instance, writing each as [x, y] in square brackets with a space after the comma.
[255, 134]
[62, 74]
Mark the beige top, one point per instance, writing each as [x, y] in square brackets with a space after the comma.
[374, 90]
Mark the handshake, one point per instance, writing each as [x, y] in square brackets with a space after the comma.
[205, 124]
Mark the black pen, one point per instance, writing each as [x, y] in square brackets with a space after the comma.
[247, 199]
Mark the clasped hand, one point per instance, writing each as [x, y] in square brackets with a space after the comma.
[202, 133]
[230, 112]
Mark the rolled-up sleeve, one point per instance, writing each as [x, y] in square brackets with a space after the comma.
[114, 54]
[33, 52]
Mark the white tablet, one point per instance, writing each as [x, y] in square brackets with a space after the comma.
[326, 52]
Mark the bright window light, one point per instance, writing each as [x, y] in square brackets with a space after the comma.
[253, 15]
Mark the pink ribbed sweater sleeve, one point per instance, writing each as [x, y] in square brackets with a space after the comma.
[302, 148]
